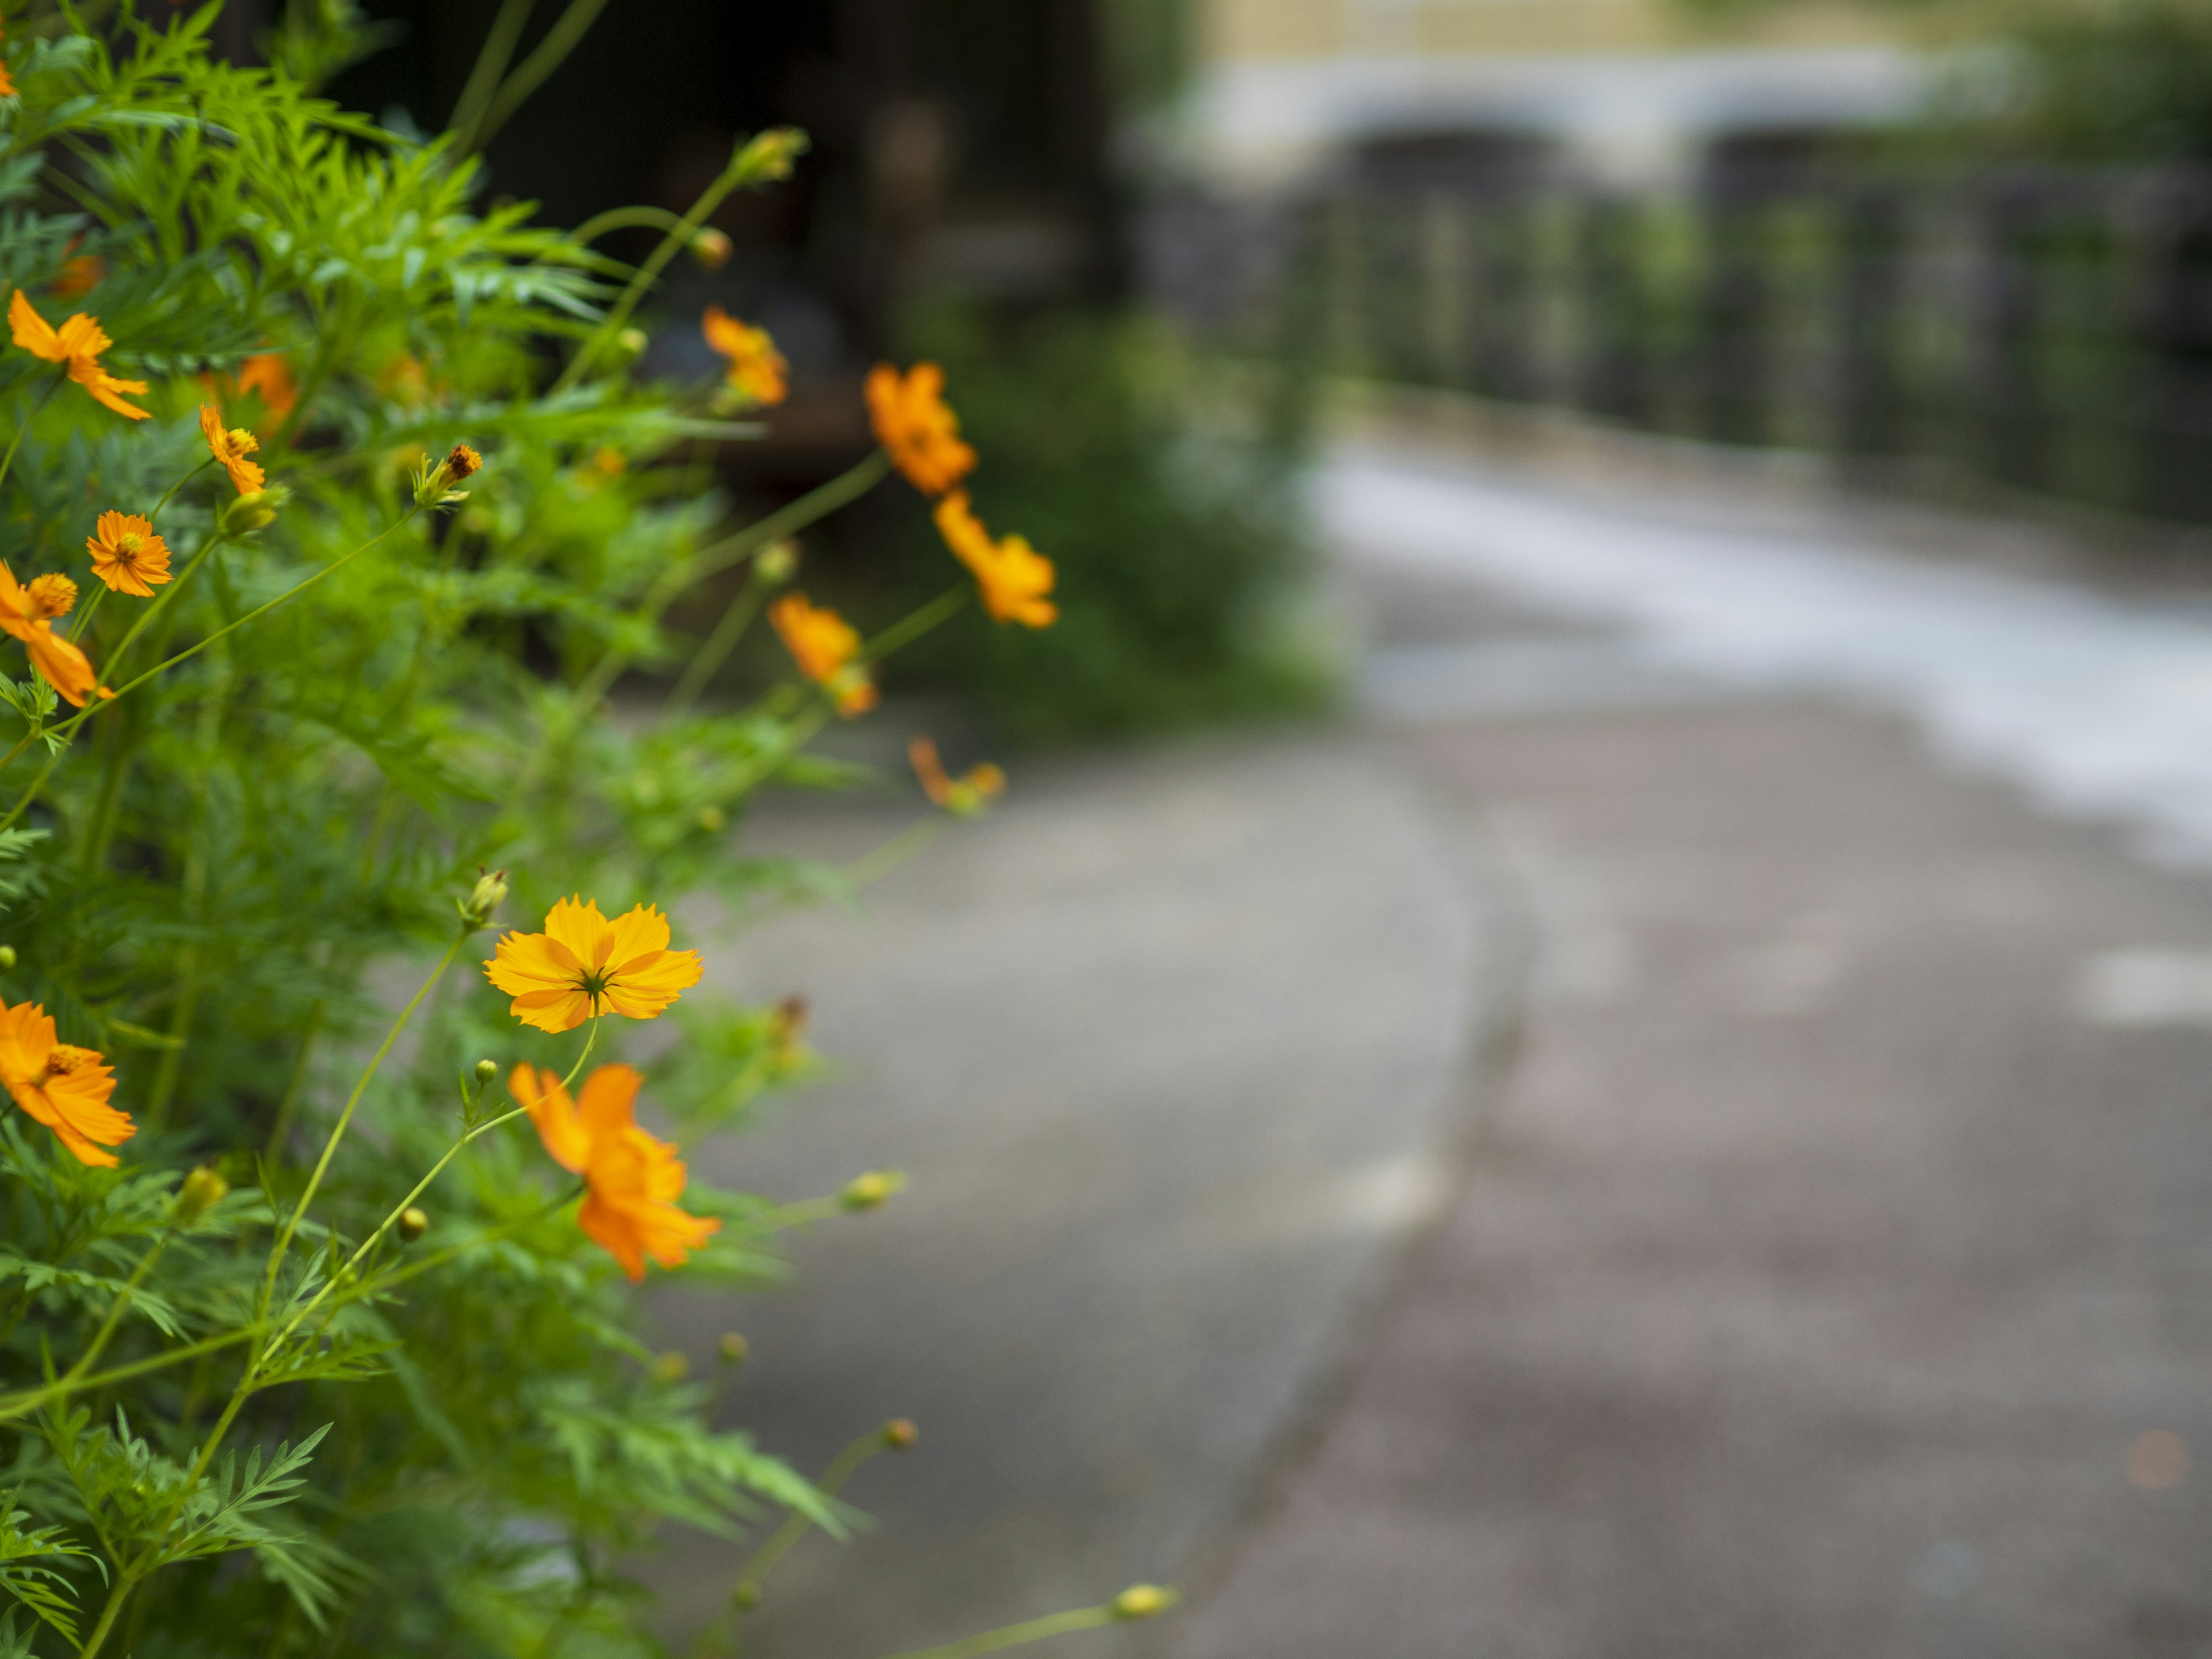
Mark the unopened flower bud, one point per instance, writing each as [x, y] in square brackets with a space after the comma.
[787, 1028]
[871, 1191]
[775, 564]
[672, 1367]
[631, 342]
[713, 820]
[733, 1348]
[767, 156]
[202, 1189]
[487, 1070]
[255, 510]
[485, 897]
[6, 958]
[899, 1433]
[745, 1597]
[1144, 1601]
[711, 248]
[414, 1222]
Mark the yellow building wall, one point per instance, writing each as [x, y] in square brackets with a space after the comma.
[1274, 31]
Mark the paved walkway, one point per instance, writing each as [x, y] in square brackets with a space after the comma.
[1654, 1142]
[1171, 1046]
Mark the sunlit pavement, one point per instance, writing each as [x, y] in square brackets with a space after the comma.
[1656, 1141]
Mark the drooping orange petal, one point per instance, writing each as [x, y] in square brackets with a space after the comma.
[606, 1105]
[66, 668]
[106, 389]
[32, 331]
[559, 1126]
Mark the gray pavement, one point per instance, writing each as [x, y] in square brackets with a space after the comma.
[1607, 1154]
[1171, 1047]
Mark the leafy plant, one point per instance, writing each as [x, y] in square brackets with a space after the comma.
[320, 1349]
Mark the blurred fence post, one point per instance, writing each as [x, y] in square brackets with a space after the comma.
[1871, 246]
[2008, 313]
[1612, 381]
[1736, 312]
[1503, 313]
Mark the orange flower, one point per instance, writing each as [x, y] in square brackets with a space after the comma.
[757, 368]
[128, 555]
[231, 448]
[921, 434]
[77, 342]
[78, 277]
[583, 966]
[634, 1179]
[28, 613]
[1012, 576]
[265, 375]
[65, 1087]
[824, 645]
[958, 795]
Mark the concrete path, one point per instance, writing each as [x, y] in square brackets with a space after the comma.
[1835, 1275]
[1171, 1046]
[1814, 1262]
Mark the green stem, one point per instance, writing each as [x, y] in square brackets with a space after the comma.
[623, 218]
[14, 443]
[874, 866]
[345, 1117]
[91, 609]
[175, 487]
[591, 1037]
[69, 728]
[116, 1308]
[686, 228]
[912, 627]
[712, 654]
[560, 41]
[115, 1597]
[492, 59]
[289, 1107]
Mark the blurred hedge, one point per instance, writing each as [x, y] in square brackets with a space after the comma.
[1166, 495]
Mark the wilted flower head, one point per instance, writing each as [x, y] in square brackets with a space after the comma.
[757, 371]
[26, 613]
[633, 1179]
[78, 343]
[1012, 576]
[231, 447]
[917, 430]
[825, 647]
[964, 796]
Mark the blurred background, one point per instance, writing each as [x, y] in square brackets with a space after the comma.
[1585, 1031]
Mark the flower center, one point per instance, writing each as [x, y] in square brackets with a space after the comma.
[595, 986]
[127, 544]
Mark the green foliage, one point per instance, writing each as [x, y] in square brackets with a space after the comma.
[269, 1421]
[1178, 545]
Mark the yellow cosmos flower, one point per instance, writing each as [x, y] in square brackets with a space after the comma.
[917, 430]
[77, 342]
[28, 613]
[62, 1086]
[583, 966]
[758, 369]
[231, 448]
[824, 645]
[633, 1179]
[959, 796]
[128, 555]
[1012, 576]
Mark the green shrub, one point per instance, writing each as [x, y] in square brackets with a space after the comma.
[321, 1354]
[1182, 557]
